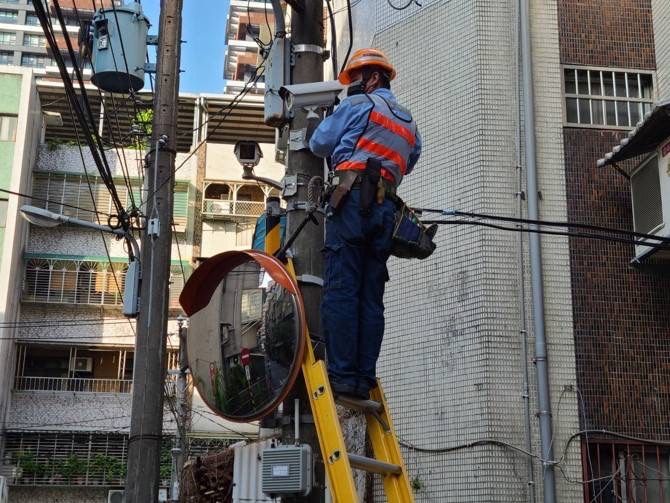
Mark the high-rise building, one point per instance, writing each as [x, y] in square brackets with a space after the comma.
[460, 337]
[249, 26]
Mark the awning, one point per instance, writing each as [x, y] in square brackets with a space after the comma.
[649, 133]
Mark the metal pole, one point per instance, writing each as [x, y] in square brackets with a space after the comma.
[144, 443]
[535, 251]
[302, 165]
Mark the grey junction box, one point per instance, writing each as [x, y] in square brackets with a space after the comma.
[287, 470]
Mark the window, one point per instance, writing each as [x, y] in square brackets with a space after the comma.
[35, 60]
[8, 127]
[607, 98]
[627, 472]
[34, 40]
[32, 20]
[7, 38]
[8, 16]
[6, 58]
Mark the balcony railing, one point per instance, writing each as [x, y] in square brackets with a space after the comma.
[73, 384]
[227, 208]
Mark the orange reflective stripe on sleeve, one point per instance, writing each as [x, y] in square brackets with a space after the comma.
[394, 127]
[383, 151]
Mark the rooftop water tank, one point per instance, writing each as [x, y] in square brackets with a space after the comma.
[115, 35]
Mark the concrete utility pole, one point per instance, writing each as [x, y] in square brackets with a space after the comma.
[307, 40]
[144, 444]
[180, 448]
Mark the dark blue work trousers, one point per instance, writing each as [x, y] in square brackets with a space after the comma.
[357, 248]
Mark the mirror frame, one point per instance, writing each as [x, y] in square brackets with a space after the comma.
[197, 294]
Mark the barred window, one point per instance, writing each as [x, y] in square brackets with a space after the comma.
[606, 98]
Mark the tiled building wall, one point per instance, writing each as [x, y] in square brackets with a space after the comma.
[610, 33]
[661, 13]
[622, 322]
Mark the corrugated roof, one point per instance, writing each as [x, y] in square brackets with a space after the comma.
[649, 133]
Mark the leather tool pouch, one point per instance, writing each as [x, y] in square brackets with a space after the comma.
[369, 185]
[411, 239]
[345, 180]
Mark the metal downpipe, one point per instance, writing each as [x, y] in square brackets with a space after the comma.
[535, 254]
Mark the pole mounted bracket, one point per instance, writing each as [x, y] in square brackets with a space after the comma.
[152, 39]
[153, 228]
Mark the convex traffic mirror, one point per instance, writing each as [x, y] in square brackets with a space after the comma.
[246, 336]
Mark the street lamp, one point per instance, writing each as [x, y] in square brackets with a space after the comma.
[46, 218]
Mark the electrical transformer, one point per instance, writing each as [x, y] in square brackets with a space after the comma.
[119, 48]
[287, 470]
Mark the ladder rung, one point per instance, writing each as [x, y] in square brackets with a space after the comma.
[373, 465]
[369, 406]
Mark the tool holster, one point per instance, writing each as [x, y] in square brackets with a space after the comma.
[370, 185]
[343, 181]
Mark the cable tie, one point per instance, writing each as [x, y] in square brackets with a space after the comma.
[449, 212]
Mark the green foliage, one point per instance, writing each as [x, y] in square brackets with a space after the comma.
[29, 465]
[417, 484]
[107, 468]
[166, 460]
[71, 467]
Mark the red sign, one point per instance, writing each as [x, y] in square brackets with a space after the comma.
[665, 150]
[245, 356]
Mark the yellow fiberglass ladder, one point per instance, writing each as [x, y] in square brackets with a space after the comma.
[387, 460]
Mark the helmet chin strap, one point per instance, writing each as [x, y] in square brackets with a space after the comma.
[357, 87]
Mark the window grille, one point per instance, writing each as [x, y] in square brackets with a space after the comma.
[626, 471]
[61, 189]
[606, 98]
[72, 459]
[62, 281]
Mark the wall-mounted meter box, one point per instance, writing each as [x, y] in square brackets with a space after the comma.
[287, 470]
[119, 48]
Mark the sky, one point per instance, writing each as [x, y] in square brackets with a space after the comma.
[204, 31]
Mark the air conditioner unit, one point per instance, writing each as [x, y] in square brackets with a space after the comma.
[116, 496]
[83, 364]
[650, 194]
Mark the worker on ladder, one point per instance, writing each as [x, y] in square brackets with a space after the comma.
[373, 142]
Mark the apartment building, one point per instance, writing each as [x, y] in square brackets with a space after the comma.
[247, 23]
[22, 41]
[464, 374]
[67, 352]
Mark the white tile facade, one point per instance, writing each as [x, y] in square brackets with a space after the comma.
[452, 359]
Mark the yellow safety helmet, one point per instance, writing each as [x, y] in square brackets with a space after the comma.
[366, 57]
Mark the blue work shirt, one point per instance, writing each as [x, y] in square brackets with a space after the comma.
[337, 135]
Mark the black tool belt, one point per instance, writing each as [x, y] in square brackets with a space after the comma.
[411, 239]
[372, 185]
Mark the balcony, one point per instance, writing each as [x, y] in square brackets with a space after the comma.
[71, 459]
[84, 282]
[69, 194]
[79, 369]
[234, 200]
[77, 385]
